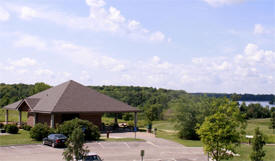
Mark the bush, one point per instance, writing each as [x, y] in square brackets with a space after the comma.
[26, 127]
[1, 125]
[39, 131]
[90, 130]
[12, 129]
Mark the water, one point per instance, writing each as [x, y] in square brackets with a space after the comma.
[263, 103]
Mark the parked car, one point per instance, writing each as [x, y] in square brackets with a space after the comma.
[90, 157]
[55, 140]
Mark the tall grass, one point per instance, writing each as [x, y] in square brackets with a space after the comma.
[13, 115]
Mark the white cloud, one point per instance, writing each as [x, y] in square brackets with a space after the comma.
[258, 29]
[87, 57]
[4, 14]
[27, 13]
[23, 62]
[157, 36]
[100, 18]
[95, 3]
[44, 72]
[30, 41]
[217, 3]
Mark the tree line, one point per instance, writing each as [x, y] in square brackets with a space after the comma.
[242, 97]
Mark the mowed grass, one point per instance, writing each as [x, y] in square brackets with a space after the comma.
[22, 137]
[173, 137]
[245, 151]
[13, 115]
[166, 130]
[264, 125]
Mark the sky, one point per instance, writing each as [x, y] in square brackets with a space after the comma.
[222, 46]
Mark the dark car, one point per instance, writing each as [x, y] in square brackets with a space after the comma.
[55, 140]
[90, 157]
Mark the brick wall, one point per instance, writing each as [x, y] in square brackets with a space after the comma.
[30, 120]
[95, 118]
[43, 118]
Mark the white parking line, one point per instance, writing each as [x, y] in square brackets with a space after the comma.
[127, 145]
[101, 145]
[149, 142]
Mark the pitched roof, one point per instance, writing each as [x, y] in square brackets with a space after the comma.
[72, 97]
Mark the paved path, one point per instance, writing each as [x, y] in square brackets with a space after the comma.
[156, 149]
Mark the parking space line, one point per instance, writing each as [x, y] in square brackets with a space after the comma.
[149, 142]
[127, 145]
[101, 145]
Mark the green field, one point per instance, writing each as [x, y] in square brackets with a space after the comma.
[22, 137]
[245, 151]
[13, 115]
[264, 125]
[167, 131]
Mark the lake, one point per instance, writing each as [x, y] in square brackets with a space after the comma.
[263, 103]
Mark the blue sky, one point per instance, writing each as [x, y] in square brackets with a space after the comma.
[194, 45]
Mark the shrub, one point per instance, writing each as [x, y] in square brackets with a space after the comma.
[39, 131]
[1, 125]
[90, 130]
[12, 129]
[26, 127]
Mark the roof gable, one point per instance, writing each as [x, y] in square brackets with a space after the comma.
[72, 97]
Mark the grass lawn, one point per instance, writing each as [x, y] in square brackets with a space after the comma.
[245, 151]
[263, 124]
[14, 139]
[13, 115]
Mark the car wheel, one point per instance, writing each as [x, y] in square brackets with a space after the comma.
[53, 145]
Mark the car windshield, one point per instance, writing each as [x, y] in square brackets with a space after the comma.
[60, 136]
[91, 158]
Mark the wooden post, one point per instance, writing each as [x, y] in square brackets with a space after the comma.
[7, 117]
[20, 118]
[135, 119]
[135, 128]
[116, 119]
[35, 119]
[52, 121]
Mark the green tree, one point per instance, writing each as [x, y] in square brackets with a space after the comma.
[75, 143]
[257, 146]
[38, 87]
[221, 132]
[273, 120]
[152, 113]
[192, 110]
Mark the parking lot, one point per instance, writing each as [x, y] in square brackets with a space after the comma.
[156, 149]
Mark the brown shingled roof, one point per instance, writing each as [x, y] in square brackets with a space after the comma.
[73, 97]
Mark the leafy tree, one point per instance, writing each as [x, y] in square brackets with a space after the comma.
[75, 143]
[152, 113]
[235, 97]
[220, 132]
[257, 146]
[39, 131]
[191, 111]
[38, 87]
[90, 130]
[273, 120]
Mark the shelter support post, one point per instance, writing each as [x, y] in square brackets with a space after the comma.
[135, 120]
[135, 124]
[20, 118]
[35, 119]
[7, 117]
[52, 120]
[116, 123]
